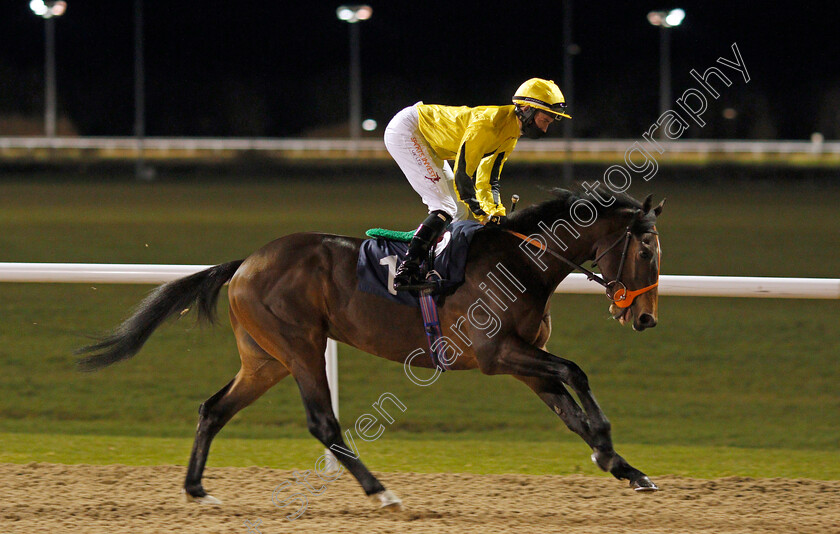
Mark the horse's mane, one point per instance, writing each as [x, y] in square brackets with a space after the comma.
[559, 207]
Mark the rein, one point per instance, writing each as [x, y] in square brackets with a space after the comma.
[620, 296]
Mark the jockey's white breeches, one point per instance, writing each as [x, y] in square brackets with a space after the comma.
[429, 175]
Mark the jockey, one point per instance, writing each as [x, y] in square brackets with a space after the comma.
[422, 137]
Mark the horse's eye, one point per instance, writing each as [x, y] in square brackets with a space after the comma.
[645, 254]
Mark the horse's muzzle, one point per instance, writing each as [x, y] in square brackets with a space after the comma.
[644, 321]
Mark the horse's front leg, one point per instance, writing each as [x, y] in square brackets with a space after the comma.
[546, 374]
[545, 329]
[555, 395]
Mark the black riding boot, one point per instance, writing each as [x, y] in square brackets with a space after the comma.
[409, 270]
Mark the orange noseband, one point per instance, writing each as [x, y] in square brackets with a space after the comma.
[623, 298]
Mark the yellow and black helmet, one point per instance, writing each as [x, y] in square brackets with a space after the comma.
[542, 94]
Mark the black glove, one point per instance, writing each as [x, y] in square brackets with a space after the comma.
[495, 220]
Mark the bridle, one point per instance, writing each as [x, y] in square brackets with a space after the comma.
[615, 289]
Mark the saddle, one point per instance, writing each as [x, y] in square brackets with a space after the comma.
[380, 256]
[432, 282]
[445, 267]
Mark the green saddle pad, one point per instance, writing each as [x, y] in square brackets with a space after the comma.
[392, 235]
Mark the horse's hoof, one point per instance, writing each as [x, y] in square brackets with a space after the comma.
[206, 499]
[387, 500]
[644, 485]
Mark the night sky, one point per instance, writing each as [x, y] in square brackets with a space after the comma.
[246, 68]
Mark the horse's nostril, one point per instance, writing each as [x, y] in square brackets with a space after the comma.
[646, 320]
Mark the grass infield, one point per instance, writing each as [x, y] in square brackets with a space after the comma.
[743, 387]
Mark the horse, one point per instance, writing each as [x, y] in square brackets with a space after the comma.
[292, 294]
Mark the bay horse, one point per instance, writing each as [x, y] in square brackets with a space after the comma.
[288, 297]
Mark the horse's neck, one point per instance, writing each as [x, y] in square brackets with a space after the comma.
[575, 243]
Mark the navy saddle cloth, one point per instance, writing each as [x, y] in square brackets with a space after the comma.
[379, 258]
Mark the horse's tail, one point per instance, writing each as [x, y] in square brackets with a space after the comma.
[165, 301]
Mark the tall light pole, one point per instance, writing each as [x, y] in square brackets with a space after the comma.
[141, 172]
[49, 9]
[570, 49]
[665, 20]
[352, 15]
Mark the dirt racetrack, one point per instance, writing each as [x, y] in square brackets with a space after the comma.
[51, 498]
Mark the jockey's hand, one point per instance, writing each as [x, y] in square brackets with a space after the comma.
[495, 220]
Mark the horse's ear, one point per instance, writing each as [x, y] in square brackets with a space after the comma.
[640, 213]
[647, 204]
[658, 209]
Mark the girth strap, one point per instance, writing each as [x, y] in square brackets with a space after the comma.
[431, 325]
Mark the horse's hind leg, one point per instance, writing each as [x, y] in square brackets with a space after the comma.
[315, 392]
[259, 372]
[300, 346]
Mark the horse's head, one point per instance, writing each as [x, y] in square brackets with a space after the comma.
[629, 261]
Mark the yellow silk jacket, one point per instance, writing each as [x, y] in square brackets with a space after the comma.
[479, 139]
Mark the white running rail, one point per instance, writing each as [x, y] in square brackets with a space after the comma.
[672, 285]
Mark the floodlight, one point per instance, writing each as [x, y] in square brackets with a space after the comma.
[674, 17]
[666, 19]
[48, 8]
[352, 14]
